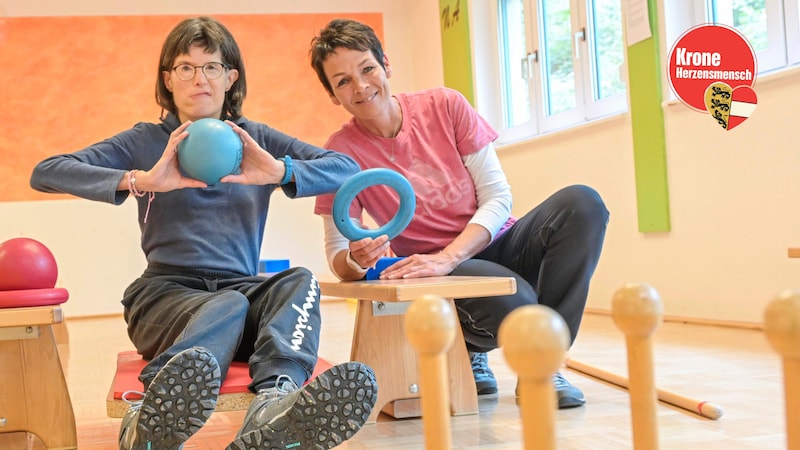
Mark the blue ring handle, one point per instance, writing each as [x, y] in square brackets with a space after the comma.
[362, 180]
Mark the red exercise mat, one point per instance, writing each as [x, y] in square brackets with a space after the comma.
[130, 364]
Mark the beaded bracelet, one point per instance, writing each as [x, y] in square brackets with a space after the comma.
[136, 193]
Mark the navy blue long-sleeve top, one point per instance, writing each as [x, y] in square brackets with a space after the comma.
[219, 228]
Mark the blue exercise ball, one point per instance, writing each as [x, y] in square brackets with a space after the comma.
[211, 151]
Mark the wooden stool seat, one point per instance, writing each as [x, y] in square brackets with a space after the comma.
[33, 391]
[379, 338]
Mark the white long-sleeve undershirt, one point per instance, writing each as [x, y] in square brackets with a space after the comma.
[491, 189]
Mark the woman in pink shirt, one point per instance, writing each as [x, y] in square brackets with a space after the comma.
[463, 223]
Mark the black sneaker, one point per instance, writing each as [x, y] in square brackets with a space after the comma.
[321, 415]
[484, 377]
[179, 400]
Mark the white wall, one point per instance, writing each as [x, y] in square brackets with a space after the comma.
[733, 204]
[732, 200]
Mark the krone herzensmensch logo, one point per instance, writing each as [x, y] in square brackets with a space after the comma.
[712, 68]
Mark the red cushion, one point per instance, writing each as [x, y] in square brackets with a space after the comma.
[25, 298]
[130, 364]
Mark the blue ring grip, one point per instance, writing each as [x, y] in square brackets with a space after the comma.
[362, 180]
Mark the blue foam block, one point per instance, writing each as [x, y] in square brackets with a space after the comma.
[374, 273]
[272, 266]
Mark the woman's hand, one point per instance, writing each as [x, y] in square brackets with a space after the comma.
[366, 252]
[165, 175]
[472, 239]
[418, 266]
[258, 166]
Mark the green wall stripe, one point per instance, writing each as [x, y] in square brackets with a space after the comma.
[647, 124]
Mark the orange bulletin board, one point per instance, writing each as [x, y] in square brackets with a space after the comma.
[68, 82]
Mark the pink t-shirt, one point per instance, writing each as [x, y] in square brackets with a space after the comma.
[439, 128]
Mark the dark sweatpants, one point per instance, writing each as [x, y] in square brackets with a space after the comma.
[273, 323]
[552, 252]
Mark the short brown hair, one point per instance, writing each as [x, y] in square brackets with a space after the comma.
[345, 33]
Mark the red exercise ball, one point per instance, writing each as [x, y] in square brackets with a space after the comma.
[26, 264]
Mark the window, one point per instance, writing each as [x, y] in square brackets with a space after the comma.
[771, 27]
[561, 63]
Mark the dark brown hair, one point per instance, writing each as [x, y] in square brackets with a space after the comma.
[346, 33]
[212, 35]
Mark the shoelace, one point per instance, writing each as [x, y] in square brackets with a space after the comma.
[133, 403]
[283, 385]
[480, 363]
[559, 381]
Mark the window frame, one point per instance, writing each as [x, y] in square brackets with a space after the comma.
[675, 17]
[586, 108]
[783, 30]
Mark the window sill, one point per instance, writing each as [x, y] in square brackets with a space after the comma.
[789, 73]
[614, 119]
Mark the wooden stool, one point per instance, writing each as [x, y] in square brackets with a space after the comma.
[379, 337]
[34, 393]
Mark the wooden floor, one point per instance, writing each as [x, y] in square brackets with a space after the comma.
[734, 368]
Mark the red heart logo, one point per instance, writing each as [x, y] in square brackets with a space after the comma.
[743, 103]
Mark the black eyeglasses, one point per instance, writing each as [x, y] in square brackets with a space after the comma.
[211, 70]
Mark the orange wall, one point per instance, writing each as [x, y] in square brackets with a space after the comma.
[68, 82]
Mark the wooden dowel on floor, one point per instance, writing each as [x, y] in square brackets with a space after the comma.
[637, 311]
[782, 328]
[706, 409]
[430, 325]
[535, 339]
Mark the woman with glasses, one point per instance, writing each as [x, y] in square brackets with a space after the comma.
[199, 305]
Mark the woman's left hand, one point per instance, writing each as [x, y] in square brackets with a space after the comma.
[258, 165]
[419, 266]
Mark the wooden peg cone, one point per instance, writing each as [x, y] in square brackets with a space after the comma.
[535, 339]
[430, 325]
[782, 327]
[637, 311]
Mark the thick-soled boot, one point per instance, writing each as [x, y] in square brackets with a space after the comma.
[327, 411]
[175, 405]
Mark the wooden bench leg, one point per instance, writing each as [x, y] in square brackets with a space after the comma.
[379, 341]
[33, 388]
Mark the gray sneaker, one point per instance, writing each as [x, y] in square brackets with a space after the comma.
[485, 382]
[567, 394]
[325, 412]
[177, 403]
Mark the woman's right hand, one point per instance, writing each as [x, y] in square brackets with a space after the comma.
[165, 175]
[366, 252]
